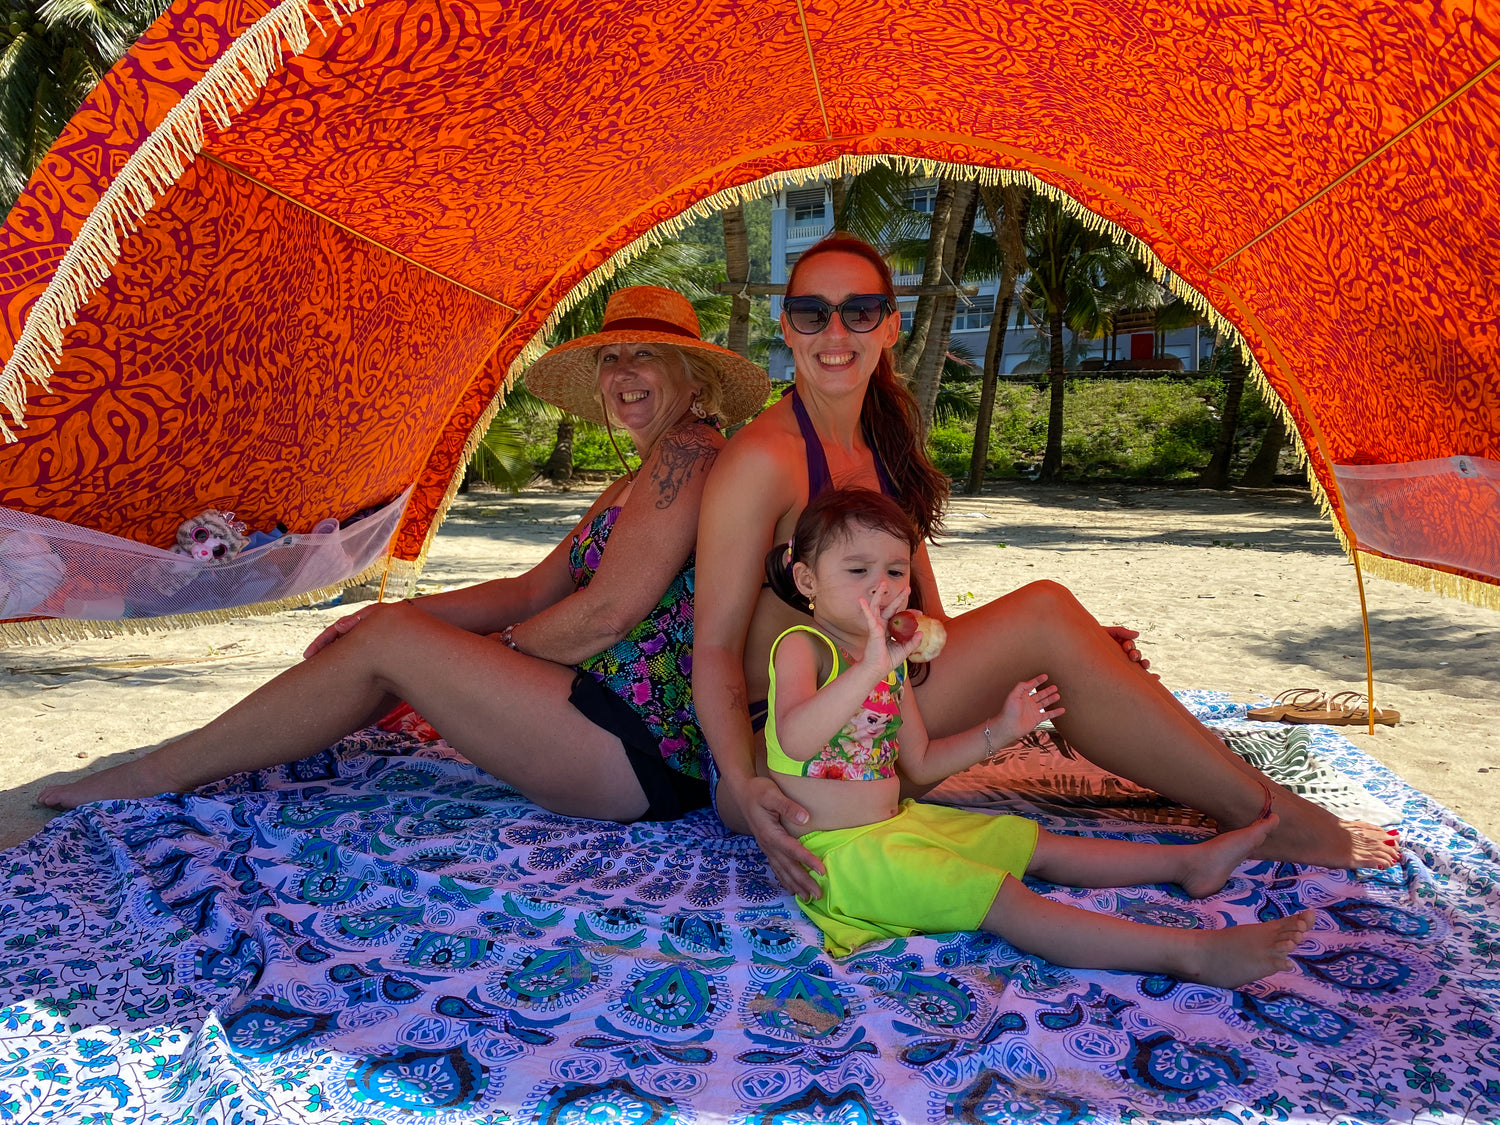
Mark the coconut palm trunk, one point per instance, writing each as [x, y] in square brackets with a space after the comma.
[559, 466]
[1261, 472]
[929, 369]
[1217, 473]
[1007, 210]
[1057, 375]
[737, 269]
[932, 274]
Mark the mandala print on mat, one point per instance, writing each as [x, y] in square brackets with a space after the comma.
[383, 933]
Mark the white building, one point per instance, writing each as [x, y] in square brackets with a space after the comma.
[802, 215]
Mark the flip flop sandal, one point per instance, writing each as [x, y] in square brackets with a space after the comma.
[1293, 700]
[1357, 707]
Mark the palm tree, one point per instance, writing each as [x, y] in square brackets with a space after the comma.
[737, 269]
[1072, 268]
[52, 54]
[1227, 362]
[1006, 209]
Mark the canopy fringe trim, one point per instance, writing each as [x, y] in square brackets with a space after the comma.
[846, 164]
[409, 569]
[855, 163]
[1483, 594]
[234, 80]
[53, 630]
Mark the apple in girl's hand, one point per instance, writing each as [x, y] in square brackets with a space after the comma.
[903, 626]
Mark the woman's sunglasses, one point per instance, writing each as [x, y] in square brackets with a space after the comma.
[862, 312]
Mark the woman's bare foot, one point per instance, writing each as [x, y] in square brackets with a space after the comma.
[140, 778]
[1234, 957]
[1308, 834]
[1208, 866]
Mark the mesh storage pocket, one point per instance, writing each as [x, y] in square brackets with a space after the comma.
[54, 569]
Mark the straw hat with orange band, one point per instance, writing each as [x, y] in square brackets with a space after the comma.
[568, 375]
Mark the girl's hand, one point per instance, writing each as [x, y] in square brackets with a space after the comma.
[1029, 705]
[881, 650]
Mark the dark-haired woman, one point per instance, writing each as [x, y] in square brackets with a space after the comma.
[849, 422]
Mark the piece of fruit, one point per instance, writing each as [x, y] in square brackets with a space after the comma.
[903, 626]
[934, 637]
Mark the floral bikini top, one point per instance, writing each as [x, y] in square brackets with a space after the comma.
[651, 667]
[865, 748]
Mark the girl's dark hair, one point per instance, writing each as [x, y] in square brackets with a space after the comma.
[826, 521]
[889, 418]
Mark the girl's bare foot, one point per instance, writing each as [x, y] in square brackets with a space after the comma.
[140, 778]
[1208, 866]
[1234, 957]
[1308, 834]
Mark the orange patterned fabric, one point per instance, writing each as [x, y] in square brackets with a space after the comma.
[320, 309]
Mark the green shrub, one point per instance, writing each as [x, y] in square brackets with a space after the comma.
[1112, 428]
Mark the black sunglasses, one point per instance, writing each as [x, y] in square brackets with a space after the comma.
[862, 312]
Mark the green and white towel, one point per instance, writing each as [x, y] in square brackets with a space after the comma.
[1286, 756]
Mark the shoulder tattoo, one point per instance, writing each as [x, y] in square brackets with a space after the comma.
[681, 453]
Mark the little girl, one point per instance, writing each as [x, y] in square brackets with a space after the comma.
[894, 867]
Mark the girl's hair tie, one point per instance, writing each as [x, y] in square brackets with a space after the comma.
[779, 574]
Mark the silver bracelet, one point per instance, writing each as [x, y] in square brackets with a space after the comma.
[507, 640]
[989, 747]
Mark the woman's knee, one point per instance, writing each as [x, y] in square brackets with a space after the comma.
[1047, 596]
[386, 630]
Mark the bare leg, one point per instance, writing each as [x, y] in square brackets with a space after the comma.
[1200, 869]
[1123, 720]
[1083, 939]
[507, 713]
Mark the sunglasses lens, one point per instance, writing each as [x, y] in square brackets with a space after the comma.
[807, 314]
[862, 314]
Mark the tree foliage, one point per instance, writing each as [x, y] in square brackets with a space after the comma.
[52, 54]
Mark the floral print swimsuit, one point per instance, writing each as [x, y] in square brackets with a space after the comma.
[651, 667]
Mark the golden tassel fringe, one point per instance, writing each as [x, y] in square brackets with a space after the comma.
[55, 630]
[853, 164]
[234, 80]
[1483, 594]
[409, 569]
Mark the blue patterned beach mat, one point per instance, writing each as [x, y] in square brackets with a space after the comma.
[382, 933]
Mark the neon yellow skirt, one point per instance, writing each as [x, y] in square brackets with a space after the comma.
[928, 869]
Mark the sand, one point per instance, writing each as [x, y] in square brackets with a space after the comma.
[1245, 592]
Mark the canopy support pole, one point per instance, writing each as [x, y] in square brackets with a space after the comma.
[1364, 617]
[390, 553]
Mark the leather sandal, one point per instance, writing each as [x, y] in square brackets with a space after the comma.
[1293, 700]
[1356, 706]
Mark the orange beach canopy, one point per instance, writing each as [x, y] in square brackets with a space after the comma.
[287, 254]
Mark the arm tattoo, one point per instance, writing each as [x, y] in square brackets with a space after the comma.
[678, 457]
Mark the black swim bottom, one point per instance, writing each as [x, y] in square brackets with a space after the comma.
[669, 795]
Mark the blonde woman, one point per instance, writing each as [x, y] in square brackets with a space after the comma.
[582, 698]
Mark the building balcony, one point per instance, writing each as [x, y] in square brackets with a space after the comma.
[806, 230]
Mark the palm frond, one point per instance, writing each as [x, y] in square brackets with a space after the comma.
[1177, 313]
[683, 266]
[956, 401]
[522, 405]
[499, 459]
[875, 205]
